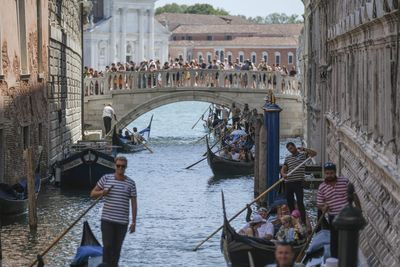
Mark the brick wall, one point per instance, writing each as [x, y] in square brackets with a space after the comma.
[64, 76]
[24, 103]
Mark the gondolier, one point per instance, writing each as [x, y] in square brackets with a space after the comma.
[331, 198]
[294, 182]
[115, 215]
[108, 115]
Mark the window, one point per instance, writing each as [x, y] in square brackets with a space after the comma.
[174, 38]
[254, 57]
[229, 54]
[241, 57]
[183, 37]
[228, 37]
[265, 57]
[189, 38]
[25, 135]
[209, 57]
[277, 58]
[22, 36]
[199, 56]
[209, 38]
[290, 58]
[2, 156]
[221, 56]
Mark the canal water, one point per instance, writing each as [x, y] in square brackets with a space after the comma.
[177, 208]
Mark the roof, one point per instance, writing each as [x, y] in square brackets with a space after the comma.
[173, 20]
[263, 29]
[242, 42]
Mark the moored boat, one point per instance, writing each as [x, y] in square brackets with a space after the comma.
[83, 169]
[225, 168]
[125, 145]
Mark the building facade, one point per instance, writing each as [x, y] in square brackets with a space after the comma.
[40, 82]
[351, 80]
[23, 83]
[232, 38]
[124, 31]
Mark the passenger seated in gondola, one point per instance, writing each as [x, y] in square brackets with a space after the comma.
[136, 138]
[127, 135]
[235, 154]
[244, 155]
[258, 227]
[288, 232]
[281, 211]
[120, 134]
[299, 226]
[226, 153]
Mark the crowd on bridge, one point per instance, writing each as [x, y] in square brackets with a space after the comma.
[194, 73]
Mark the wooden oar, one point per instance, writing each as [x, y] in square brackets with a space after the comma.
[201, 116]
[68, 229]
[255, 200]
[188, 167]
[309, 238]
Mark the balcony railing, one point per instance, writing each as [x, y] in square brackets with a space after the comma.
[191, 79]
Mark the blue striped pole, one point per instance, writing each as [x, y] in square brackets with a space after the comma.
[271, 122]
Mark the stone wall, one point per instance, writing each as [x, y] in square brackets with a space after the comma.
[23, 73]
[351, 80]
[65, 75]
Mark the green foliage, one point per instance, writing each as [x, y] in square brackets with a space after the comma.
[276, 18]
[205, 9]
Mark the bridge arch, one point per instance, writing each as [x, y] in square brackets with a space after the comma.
[173, 97]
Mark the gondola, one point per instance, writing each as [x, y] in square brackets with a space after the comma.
[243, 251]
[83, 169]
[124, 145]
[226, 168]
[90, 248]
[14, 199]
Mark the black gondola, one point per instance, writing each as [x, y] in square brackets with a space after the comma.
[240, 251]
[89, 247]
[226, 168]
[83, 169]
[124, 145]
[14, 199]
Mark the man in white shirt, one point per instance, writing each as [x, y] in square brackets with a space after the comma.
[108, 115]
[265, 230]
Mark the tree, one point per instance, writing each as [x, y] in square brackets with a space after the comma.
[205, 9]
[276, 18]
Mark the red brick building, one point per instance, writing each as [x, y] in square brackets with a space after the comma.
[231, 38]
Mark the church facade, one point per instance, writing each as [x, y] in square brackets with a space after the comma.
[124, 31]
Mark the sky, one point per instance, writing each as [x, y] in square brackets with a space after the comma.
[249, 8]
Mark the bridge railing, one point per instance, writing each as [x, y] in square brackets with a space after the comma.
[181, 78]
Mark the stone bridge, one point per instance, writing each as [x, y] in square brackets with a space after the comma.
[135, 93]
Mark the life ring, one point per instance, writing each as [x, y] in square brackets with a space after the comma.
[87, 158]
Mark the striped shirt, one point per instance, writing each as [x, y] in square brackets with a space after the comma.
[116, 202]
[292, 161]
[335, 196]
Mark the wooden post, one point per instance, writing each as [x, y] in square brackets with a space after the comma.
[31, 191]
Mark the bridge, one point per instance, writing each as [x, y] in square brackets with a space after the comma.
[134, 93]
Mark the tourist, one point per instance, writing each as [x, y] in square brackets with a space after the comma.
[300, 227]
[225, 114]
[244, 155]
[235, 114]
[245, 117]
[118, 190]
[225, 153]
[284, 255]
[258, 227]
[136, 138]
[235, 154]
[331, 198]
[108, 115]
[294, 182]
[293, 72]
[287, 231]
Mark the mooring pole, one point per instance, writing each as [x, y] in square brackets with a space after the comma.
[31, 191]
[349, 223]
[271, 117]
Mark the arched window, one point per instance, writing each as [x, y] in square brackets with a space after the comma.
[229, 56]
[265, 57]
[241, 56]
[199, 56]
[277, 58]
[209, 57]
[254, 57]
[290, 58]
